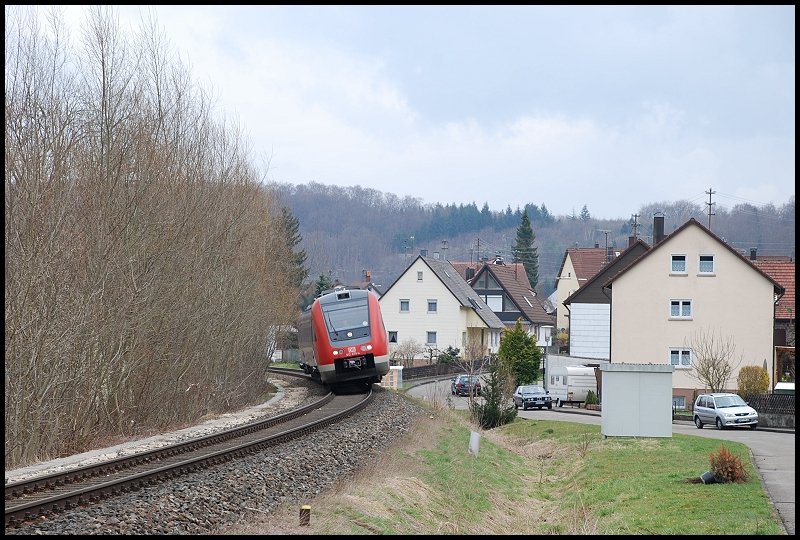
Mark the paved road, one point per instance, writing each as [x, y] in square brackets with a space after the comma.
[773, 451]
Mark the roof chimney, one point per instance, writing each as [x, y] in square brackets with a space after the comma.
[596, 245]
[631, 240]
[658, 227]
[469, 273]
[423, 252]
[753, 253]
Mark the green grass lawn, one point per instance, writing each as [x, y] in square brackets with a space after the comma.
[537, 477]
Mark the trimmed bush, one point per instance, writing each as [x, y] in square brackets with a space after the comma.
[753, 380]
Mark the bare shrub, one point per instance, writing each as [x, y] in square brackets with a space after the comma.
[727, 467]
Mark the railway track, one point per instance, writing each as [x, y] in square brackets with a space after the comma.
[53, 493]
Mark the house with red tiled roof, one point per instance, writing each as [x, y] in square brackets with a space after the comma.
[577, 267]
[507, 291]
[782, 270]
[693, 296]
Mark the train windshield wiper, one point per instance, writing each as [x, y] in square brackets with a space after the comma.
[330, 323]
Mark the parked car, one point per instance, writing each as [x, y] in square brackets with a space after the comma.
[463, 385]
[532, 396]
[723, 410]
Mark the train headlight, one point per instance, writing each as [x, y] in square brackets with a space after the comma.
[366, 347]
[335, 353]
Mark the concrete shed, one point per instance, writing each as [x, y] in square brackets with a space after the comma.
[637, 400]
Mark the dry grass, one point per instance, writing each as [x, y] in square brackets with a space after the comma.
[391, 489]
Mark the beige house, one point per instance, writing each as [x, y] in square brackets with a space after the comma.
[692, 286]
[431, 306]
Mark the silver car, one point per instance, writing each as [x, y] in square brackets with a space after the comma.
[723, 410]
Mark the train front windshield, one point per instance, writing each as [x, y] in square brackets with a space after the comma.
[347, 320]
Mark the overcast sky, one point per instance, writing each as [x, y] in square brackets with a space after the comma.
[608, 107]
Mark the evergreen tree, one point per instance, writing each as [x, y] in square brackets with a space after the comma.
[524, 251]
[585, 215]
[497, 408]
[297, 259]
[520, 354]
[323, 284]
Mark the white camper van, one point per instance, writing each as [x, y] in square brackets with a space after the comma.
[569, 384]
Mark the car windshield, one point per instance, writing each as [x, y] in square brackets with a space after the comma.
[531, 390]
[729, 401]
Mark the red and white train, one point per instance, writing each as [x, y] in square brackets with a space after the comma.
[342, 337]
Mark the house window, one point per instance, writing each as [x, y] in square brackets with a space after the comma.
[680, 358]
[495, 302]
[419, 275]
[404, 306]
[392, 337]
[431, 338]
[678, 264]
[679, 402]
[706, 265]
[431, 306]
[680, 309]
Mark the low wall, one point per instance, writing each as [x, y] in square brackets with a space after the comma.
[776, 420]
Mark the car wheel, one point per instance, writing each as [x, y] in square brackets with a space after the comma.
[549, 405]
[753, 426]
[560, 403]
[540, 408]
[698, 423]
[719, 423]
[516, 405]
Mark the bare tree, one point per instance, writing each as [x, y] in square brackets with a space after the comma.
[407, 351]
[141, 283]
[713, 360]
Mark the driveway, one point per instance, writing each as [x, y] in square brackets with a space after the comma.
[773, 451]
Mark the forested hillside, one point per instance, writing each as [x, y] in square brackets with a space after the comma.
[349, 230]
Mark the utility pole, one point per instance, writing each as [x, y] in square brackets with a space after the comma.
[709, 203]
[635, 226]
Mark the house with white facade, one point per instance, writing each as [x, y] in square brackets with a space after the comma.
[432, 305]
[577, 267]
[590, 307]
[692, 287]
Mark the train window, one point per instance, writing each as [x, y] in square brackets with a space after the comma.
[404, 306]
[392, 337]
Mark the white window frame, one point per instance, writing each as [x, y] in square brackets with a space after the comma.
[407, 303]
[492, 301]
[419, 275]
[683, 303]
[679, 402]
[390, 336]
[676, 258]
[682, 353]
[435, 304]
[428, 335]
[700, 271]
